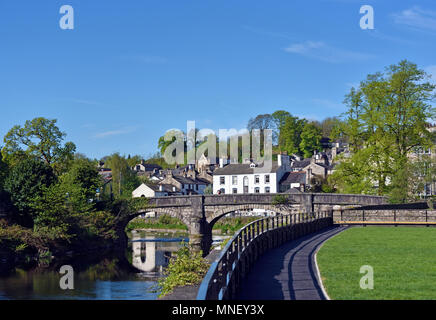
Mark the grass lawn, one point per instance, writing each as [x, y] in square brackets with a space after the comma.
[403, 260]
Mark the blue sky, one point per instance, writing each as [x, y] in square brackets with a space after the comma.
[130, 70]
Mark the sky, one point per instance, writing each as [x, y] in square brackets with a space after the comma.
[131, 70]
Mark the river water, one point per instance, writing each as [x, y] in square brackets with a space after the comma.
[122, 278]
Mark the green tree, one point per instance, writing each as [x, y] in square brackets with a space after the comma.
[310, 140]
[279, 118]
[26, 180]
[39, 138]
[124, 180]
[3, 172]
[386, 119]
[291, 134]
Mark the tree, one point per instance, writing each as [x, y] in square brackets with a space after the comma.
[3, 172]
[279, 118]
[291, 134]
[124, 180]
[26, 180]
[261, 122]
[310, 139]
[40, 138]
[386, 119]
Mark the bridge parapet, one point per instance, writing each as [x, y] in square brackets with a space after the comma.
[225, 274]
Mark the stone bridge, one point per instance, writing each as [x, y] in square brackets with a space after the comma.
[200, 212]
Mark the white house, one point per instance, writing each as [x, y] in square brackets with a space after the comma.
[249, 177]
[154, 190]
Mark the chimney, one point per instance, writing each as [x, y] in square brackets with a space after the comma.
[223, 162]
[334, 152]
[308, 176]
[142, 162]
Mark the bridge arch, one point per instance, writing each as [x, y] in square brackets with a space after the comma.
[217, 214]
[172, 212]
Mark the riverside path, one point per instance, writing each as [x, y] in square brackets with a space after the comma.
[287, 272]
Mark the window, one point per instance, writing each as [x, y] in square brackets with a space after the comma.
[234, 179]
[267, 178]
[267, 190]
[222, 180]
[235, 190]
[257, 190]
[256, 179]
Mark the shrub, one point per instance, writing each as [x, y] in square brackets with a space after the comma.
[186, 268]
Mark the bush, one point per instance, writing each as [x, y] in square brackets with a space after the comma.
[279, 199]
[187, 268]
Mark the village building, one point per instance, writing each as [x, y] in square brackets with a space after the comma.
[239, 178]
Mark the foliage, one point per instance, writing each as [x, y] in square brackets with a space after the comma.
[279, 199]
[124, 180]
[4, 170]
[208, 189]
[232, 225]
[41, 138]
[386, 119]
[310, 140]
[292, 131]
[187, 268]
[27, 180]
[151, 223]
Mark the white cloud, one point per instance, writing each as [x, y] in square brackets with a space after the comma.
[322, 51]
[110, 133]
[417, 18]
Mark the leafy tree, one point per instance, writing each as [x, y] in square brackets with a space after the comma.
[291, 134]
[83, 174]
[386, 119]
[310, 140]
[279, 118]
[27, 180]
[39, 138]
[3, 172]
[124, 180]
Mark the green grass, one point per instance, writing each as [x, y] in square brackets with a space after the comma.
[403, 260]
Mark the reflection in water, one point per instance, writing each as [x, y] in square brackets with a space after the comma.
[151, 254]
[103, 278]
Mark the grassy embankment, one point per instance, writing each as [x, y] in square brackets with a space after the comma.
[403, 260]
[227, 226]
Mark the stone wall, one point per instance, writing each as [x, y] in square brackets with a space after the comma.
[404, 215]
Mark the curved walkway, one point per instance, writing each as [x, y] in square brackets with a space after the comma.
[287, 272]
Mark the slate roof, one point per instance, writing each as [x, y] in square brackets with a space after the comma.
[187, 180]
[244, 168]
[300, 164]
[293, 177]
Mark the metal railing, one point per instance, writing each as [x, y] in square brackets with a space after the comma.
[225, 274]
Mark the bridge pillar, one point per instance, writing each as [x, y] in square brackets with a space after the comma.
[200, 232]
[306, 203]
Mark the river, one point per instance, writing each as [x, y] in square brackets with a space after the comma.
[112, 278]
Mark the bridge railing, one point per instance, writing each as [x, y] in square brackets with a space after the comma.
[225, 274]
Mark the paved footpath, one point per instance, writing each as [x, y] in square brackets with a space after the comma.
[287, 272]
